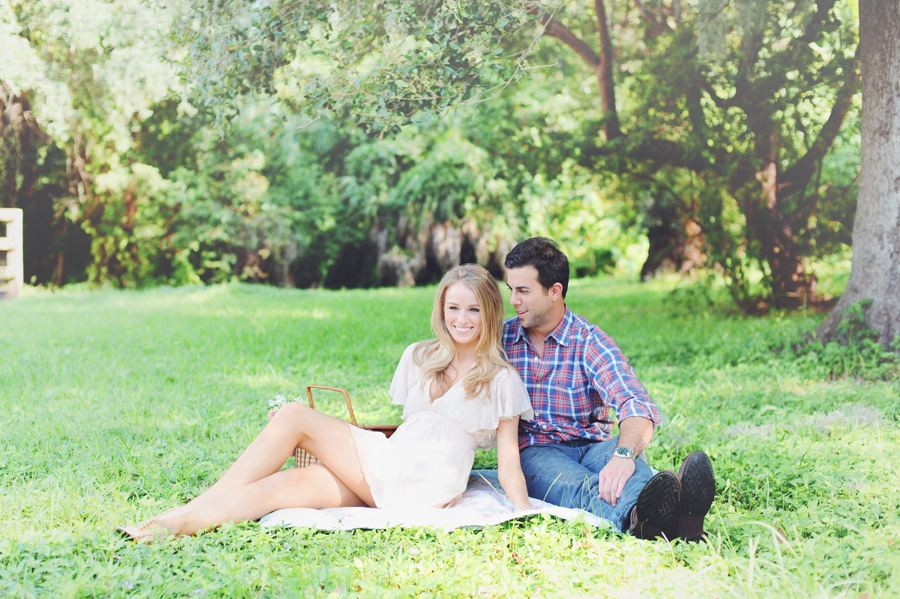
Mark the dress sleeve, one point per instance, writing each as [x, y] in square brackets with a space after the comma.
[404, 377]
[509, 398]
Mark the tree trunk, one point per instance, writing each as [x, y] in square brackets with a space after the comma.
[604, 72]
[675, 246]
[676, 239]
[20, 137]
[59, 272]
[776, 232]
[875, 271]
[790, 284]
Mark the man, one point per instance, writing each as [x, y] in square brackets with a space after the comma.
[576, 376]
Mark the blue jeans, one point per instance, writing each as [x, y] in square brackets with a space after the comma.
[566, 474]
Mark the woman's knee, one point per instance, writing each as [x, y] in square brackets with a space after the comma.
[295, 416]
[294, 411]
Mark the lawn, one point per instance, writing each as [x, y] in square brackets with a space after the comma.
[118, 404]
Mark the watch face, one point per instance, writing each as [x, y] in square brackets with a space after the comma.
[623, 452]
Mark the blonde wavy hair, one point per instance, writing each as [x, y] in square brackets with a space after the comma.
[435, 356]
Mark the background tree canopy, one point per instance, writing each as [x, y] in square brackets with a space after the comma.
[358, 144]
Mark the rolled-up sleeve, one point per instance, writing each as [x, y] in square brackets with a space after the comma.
[615, 381]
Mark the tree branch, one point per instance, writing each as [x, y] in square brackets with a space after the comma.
[815, 25]
[601, 64]
[650, 18]
[554, 28]
[695, 111]
[751, 46]
[798, 175]
[656, 152]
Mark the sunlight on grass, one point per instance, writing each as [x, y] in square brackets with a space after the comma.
[117, 405]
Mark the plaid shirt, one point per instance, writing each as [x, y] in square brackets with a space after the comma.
[575, 385]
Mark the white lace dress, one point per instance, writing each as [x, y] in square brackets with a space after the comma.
[427, 461]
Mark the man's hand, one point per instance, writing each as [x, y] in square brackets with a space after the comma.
[634, 433]
[613, 478]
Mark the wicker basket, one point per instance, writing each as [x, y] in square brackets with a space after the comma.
[303, 458]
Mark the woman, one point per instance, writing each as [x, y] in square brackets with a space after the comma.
[458, 393]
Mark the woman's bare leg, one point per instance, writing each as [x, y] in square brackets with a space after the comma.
[253, 485]
[312, 487]
[326, 437]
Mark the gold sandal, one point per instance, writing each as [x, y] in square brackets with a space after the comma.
[149, 530]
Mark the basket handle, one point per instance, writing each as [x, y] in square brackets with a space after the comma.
[309, 394]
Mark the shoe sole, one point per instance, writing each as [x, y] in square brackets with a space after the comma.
[698, 490]
[657, 504]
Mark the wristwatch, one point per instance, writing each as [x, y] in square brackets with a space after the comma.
[624, 452]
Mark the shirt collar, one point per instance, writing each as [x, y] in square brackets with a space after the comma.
[564, 330]
[562, 334]
[519, 331]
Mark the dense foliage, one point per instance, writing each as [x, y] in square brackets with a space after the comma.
[306, 144]
[721, 114]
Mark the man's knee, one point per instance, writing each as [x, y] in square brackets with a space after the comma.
[642, 473]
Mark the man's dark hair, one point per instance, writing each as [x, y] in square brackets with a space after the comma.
[544, 255]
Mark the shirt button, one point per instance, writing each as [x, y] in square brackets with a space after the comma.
[544, 426]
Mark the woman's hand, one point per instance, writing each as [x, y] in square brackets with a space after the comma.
[524, 507]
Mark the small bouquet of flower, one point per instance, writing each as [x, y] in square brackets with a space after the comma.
[279, 402]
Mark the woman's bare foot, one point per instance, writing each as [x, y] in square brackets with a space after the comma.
[166, 524]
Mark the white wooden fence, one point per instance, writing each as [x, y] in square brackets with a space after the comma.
[12, 265]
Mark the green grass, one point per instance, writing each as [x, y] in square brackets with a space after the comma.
[116, 405]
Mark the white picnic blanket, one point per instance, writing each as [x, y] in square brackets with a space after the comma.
[483, 504]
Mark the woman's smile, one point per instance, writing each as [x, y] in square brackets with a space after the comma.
[462, 314]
